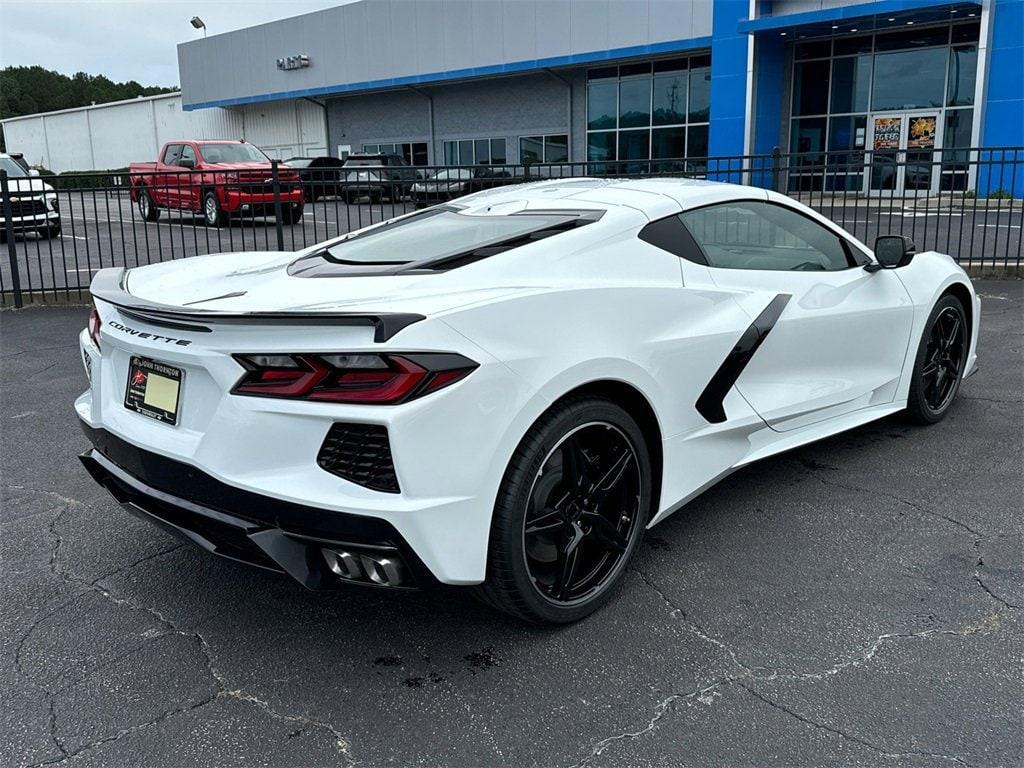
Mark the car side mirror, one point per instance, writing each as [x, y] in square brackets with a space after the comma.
[187, 163]
[33, 172]
[891, 252]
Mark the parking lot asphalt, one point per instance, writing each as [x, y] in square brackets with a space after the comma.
[101, 230]
[855, 602]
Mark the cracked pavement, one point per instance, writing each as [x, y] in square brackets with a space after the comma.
[855, 602]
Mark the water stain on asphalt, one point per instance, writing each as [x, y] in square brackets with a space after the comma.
[482, 659]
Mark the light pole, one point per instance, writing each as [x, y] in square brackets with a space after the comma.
[198, 23]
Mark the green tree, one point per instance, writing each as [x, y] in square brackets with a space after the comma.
[28, 90]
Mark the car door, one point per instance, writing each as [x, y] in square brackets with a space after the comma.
[165, 183]
[187, 185]
[833, 337]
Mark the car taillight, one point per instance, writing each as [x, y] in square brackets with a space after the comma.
[378, 379]
[94, 326]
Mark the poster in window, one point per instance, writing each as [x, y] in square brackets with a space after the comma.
[922, 133]
[887, 132]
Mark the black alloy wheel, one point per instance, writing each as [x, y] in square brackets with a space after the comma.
[571, 510]
[940, 362]
[582, 511]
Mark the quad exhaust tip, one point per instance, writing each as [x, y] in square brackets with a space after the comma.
[382, 569]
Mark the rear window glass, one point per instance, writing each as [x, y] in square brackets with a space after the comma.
[434, 239]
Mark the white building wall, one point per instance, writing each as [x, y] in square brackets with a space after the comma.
[113, 135]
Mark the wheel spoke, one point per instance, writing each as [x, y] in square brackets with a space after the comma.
[578, 465]
[930, 368]
[548, 521]
[605, 532]
[953, 334]
[610, 480]
[568, 557]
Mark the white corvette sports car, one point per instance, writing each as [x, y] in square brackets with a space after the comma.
[504, 391]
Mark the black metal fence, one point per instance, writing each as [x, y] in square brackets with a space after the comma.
[59, 230]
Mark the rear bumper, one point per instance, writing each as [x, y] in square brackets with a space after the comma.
[320, 549]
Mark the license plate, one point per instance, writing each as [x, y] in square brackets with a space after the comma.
[153, 389]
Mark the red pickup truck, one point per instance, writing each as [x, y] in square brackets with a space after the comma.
[217, 179]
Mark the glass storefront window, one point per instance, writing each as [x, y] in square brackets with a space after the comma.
[475, 152]
[808, 135]
[556, 149]
[810, 88]
[955, 165]
[851, 81]
[648, 110]
[634, 145]
[601, 146]
[668, 143]
[697, 141]
[531, 149]
[847, 133]
[909, 79]
[700, 94]
[635, 103]
[963, 71]
[544, 149]
[919, 37]
[602, 105]
[836, 100]
[670, 99]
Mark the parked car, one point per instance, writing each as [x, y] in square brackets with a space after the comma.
[377, 176]
[507, 393]
[449, 183]
[319, 176]
[34, 206]
[217, 179]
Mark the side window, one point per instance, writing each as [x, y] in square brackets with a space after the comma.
[754, 235]
[670, 235]
[171, 154]
[187, 153]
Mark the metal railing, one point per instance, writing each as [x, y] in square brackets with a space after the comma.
[59, 230]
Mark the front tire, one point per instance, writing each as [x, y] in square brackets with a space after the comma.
[50, 231]
[940, 361]
[571, 510]
[213, 215]
[291, 213]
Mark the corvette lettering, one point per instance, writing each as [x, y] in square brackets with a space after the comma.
[145, 335]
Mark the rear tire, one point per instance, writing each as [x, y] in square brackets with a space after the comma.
[147, 210]
[939, 365]
[570, 512]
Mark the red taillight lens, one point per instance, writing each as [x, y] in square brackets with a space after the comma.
[94, 326]
[350, 378]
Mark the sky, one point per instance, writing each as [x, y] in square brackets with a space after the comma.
[125, 40]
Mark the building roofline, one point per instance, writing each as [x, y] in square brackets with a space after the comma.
[104, 105]
[670, 46]
[848, 13]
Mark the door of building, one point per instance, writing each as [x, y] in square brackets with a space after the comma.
[904, 157]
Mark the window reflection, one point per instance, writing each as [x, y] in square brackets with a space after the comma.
[909, 79]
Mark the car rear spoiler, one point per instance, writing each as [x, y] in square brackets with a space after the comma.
[109, 285]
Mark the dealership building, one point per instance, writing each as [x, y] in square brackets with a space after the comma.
[490, 81]
[505, 81]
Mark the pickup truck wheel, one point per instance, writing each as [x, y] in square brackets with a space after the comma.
[50, 231]
[212, 212]
[147, 210]
[291, 214]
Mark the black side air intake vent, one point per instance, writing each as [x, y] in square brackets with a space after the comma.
[360, 453]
